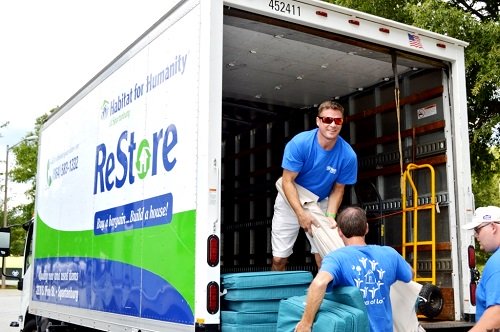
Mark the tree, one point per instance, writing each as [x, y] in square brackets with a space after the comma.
[392, 9]
[465, 20]
[482, 10]
[24, 171]
[17, 232]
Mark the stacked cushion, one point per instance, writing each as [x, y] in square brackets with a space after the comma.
[252, 299]
[341, 310]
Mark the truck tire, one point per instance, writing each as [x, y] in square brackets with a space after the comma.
[42, 323]
[431, 301]
[30, 326]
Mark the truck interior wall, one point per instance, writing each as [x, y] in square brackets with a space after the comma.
[253, 144]
[423, 142]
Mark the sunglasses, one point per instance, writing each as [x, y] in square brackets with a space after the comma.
[329, 120]
[478, 228]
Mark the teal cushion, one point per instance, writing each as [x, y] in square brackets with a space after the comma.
[235, 317]
[253, 306]
[265, 293]
[332, 316]
[269, 327]
[265, 279]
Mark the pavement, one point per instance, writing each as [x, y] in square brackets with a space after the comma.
[10, 301]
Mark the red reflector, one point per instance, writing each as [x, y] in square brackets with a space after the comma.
[472, 288]
[441, 45]
[213, 250]
[355, 22]
[384, 30]
[321, 13]
[212, 297]
[471, 254]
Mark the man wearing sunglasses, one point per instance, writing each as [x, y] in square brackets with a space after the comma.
[486, 226]
[322, 162]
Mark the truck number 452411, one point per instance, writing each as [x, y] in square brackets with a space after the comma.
[284, 7]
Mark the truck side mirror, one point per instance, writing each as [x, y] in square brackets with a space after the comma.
[4, 242]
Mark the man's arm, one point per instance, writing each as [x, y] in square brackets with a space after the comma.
[489, 321]
[304, 218]
[315, 296]
[334, 201]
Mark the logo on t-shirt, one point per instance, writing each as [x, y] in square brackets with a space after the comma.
[369, 279]
[331, 169]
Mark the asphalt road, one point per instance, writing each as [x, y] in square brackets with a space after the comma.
[10, 301]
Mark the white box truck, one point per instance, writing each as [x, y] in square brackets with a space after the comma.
[158, 175]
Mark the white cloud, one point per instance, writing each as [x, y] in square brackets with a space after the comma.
[50, 48]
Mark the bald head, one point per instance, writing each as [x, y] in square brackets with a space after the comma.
[352, 222]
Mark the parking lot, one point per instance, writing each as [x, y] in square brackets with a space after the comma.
[10, 299]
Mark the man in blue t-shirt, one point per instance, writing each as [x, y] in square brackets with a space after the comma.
[486, 226]
[322, 162]
[371, 268]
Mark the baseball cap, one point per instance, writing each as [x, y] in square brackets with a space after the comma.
[483, 215]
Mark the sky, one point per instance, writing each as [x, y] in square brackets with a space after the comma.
[50, 48]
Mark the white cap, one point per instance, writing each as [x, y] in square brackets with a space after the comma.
[483, 215]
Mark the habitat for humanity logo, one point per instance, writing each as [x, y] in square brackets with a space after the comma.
[109, 109]
[105, 110]
[114, 110]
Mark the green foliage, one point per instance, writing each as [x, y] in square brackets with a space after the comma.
[441, 17]
[487, 182]
[393, 10]
[482, 10]
[18, 234]
[24, 171]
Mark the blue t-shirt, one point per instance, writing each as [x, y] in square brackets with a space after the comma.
[488, 289]
[318, 168]
[373, 269]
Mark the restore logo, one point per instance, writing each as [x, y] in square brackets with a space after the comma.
[127, 159]
[143, 160]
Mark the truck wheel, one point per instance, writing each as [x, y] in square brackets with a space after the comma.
[430, 302]
[30, 326]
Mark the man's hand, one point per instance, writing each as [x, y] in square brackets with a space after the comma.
[315, 295]
[333, 222]
[303, 327]
[306, 220]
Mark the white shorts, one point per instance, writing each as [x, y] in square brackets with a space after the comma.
[285, 228]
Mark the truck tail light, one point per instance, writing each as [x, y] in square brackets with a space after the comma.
[212, 297]
[474, 273]
[472, 288]
[213, 250]
[471, 252]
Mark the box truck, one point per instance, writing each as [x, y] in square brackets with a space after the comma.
[158, 175]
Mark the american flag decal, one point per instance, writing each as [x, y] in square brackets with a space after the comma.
[415, 41]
